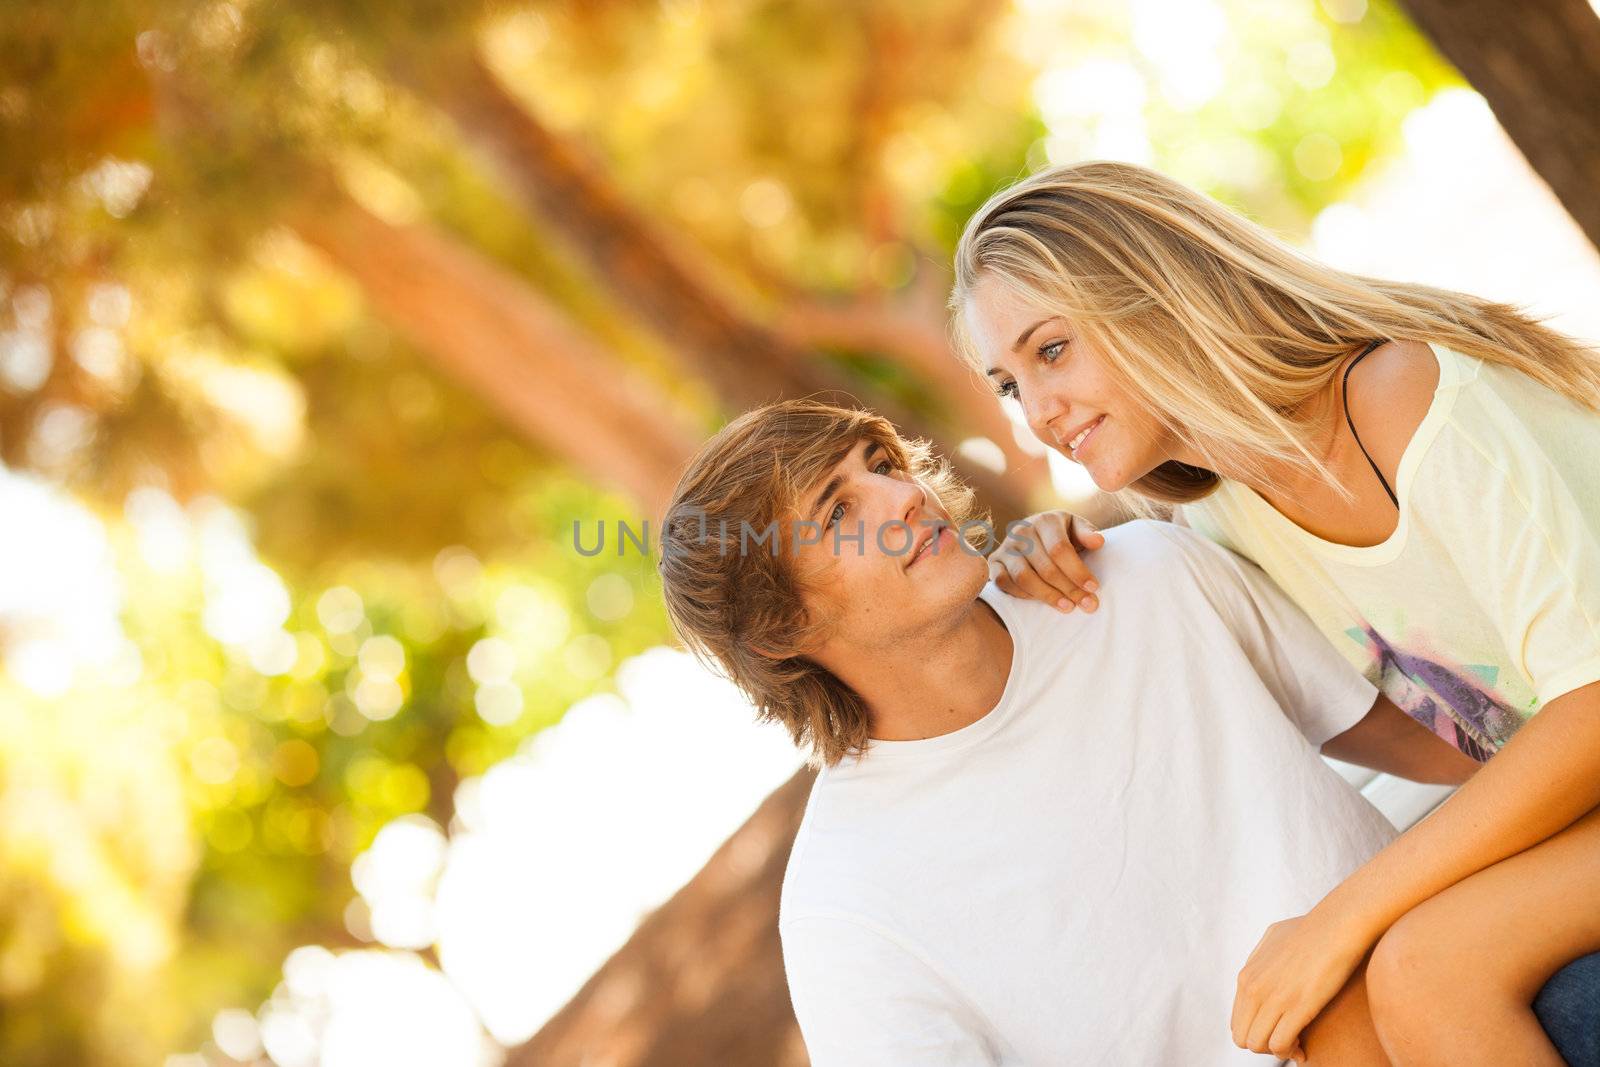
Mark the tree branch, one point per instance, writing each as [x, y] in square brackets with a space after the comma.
[748, 363]
[511, 346]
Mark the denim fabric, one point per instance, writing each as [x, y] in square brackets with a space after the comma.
[1568, 1008]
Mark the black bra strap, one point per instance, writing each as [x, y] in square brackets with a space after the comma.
[1345, 396]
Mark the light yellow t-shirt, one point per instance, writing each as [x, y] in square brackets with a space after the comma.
[1484, 604]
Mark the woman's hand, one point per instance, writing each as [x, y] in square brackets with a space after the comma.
[1297, 967]
[1039, 560]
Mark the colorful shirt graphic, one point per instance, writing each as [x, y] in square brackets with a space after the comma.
[1455, 703]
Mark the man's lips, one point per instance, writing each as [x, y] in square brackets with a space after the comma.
[928, 544]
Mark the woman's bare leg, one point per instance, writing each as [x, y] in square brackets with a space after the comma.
[1452, 983]
[1343, 1035]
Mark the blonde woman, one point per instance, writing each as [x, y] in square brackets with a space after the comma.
[1420, 471]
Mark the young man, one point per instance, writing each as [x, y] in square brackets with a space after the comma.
[1037, 837]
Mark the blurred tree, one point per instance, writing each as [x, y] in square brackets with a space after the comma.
[413, 286]
[170, 332]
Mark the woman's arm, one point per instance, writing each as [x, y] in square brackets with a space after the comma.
[1391, 741]
[1543, 780]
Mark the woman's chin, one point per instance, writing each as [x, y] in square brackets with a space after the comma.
[1107, 481]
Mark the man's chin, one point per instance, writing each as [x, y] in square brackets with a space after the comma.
[972, 580]
[954, 578]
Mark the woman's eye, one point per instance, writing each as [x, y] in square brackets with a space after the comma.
[1052, 351]
[884, 467]
[1008, 391]
[836, 516]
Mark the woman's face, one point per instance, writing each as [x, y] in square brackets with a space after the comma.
[1069, 398]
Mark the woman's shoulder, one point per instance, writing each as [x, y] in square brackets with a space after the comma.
[1388, 394]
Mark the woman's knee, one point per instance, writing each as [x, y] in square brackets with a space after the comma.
[1414, 982]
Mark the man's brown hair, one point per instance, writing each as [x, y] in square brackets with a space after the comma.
[730, 588]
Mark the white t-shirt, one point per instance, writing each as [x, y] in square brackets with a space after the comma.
[1077, 877]
[1484, 604]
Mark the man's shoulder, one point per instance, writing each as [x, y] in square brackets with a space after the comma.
[1142, 536]
[1164, 544]
[1160, 557]
[1142, 563]
[1162, 572]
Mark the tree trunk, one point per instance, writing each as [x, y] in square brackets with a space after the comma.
[1538, 65]
[511, 346]
[701, 980]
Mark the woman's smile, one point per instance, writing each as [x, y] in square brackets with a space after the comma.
[1074, 447]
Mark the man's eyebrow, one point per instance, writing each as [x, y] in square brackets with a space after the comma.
[838, 479]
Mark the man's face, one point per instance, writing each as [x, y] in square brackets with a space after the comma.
[888, 566]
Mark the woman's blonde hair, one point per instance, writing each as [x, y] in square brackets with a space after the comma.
[1223, 329]
[733, 595]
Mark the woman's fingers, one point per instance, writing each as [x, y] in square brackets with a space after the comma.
[1281, 987]
[1040, 560]
[1244, 1016]
[1261, 1028]
[1285, 1037]
[1085, 534]
[1246, 1005]
[1023, 579]
[1040, 554]
[1063, 541]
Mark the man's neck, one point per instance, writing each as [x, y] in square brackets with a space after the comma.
[937, 683]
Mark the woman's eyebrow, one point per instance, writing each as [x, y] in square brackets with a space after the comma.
[1023, 338]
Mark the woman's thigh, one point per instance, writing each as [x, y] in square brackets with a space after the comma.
[1466, 965]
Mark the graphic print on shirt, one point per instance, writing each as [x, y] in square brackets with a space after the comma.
[1444, 699]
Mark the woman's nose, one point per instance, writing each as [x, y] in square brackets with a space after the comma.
[1040, 409]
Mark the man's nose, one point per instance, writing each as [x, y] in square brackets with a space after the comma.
[913, 502]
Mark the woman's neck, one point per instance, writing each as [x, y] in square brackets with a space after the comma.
[1319, 423]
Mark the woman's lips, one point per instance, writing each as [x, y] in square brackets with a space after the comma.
[1075, 446]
